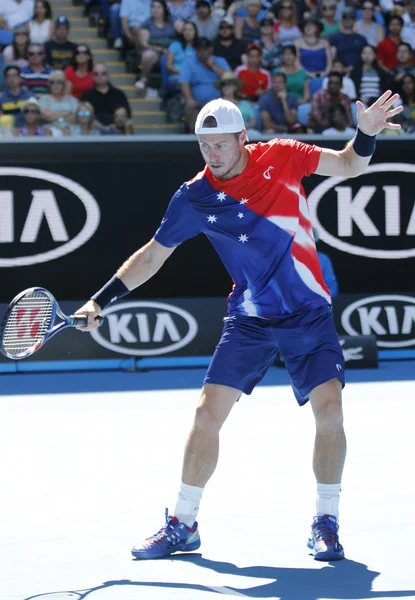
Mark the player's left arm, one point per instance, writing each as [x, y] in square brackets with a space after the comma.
[353, 160]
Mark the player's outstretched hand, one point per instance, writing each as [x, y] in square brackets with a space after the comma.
[90, 310]
[375, 119]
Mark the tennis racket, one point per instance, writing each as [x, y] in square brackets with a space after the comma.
[29, 323]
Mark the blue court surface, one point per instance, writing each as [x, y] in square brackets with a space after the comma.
[89, 461]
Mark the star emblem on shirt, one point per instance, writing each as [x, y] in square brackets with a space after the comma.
[243, 201]
[243, 238]
[240, 215]
[212, 218]
[221, 196]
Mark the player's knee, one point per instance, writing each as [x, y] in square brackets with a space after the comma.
[213, 409]
[206, 420]
[328, 412]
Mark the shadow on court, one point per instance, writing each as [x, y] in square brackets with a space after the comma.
[342, 580]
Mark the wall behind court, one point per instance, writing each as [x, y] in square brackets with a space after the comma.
[71, 212]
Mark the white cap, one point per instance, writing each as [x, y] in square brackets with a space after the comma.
[228, 117]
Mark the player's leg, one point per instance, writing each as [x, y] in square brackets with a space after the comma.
[315, 364]
[242, 357]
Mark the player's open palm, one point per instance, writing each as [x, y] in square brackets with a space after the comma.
[377, 117]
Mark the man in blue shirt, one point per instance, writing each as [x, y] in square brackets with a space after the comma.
[14, 96]
[347, 43]
[197, 76]
[278, 109]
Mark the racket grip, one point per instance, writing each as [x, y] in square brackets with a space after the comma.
[82, 321]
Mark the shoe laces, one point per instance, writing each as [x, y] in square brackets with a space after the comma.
[167, 531]
[325, 529]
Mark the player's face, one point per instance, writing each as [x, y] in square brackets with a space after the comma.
[222, 153]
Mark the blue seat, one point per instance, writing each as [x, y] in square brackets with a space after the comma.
[315, 84]
[303, 111]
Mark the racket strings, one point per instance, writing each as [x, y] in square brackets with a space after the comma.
[27, 323]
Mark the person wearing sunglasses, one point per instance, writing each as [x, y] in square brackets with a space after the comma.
[79, 73]
[35, 77]
[327, 12]
[286, 28]
[57, 107]
[227, 45]
[367, 26]
[84, 120]
[31, 116]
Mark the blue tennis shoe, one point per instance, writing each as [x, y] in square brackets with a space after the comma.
[172, 537]
[324, 539]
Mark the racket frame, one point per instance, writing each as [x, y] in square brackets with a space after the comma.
[67, 321]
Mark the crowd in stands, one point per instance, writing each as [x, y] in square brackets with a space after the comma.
[292, 66]
[49, 85]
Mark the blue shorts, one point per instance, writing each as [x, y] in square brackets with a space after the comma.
[249, 346]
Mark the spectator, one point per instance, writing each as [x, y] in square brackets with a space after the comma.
[59, 50]
[14, 96]
[41, 26]
[348, 85]
[326, 265]
[227, 45]
[207, 23]
[197, 76]
[178, 51]
[271, 50]
[84, 120]
[408, 31]
[155, 36]
[373, 32]
[256, 80]
[16, 53]
[405, 66]
[79, 73]
[57, 107]
[111, 15]
[285, 27]
[180, 12]
[133, 14]
[247, 28]
[346, 43]
[35, 77]
[368, 77]
[386, 50]
[337, 118]
[277, 108]
[15, 12]
[407, 117]
[327, 11]
[229, 86]
[313, 52]
[122, 125]
[296, 77]
[323, 99]
[105, 98]
[31, 116]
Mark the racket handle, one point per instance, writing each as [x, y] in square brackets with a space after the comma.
[82, 321]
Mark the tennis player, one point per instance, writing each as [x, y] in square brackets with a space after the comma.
[250, 203]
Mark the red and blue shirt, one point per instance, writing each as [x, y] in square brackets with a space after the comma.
[259, 223]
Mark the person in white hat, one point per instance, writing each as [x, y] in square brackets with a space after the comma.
[249, 202]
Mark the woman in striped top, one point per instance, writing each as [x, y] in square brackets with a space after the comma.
[367, 76]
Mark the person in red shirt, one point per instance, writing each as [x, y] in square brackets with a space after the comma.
[257, 80]
[386, 49]
[79, 73]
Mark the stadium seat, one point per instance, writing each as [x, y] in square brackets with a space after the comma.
[303, 111]
[315, 85]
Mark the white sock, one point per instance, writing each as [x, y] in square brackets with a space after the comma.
[187, 505]
[328, 497]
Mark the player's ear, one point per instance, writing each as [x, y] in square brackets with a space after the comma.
[243, 138]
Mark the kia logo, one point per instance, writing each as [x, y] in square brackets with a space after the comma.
[367, 215]
[145, 328]
[390, 317]
[47, 213]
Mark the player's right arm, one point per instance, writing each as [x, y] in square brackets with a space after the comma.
[135, 271]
